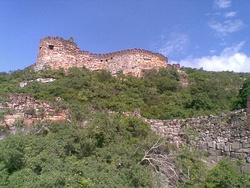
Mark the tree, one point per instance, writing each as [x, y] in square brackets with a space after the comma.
[244, 94]
[227, 175]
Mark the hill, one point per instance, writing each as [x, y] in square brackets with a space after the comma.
[95, 144]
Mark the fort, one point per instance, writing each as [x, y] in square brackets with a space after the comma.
[56, 53]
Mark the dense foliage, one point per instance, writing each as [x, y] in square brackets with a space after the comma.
[97, 148]
[159, 95]
[105, 152]
[197, 173]
[244, 94]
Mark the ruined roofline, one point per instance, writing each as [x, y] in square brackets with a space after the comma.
[107, 55]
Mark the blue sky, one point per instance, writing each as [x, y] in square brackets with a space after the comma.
[212, 34]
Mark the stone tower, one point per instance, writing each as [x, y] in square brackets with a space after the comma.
[55, 53]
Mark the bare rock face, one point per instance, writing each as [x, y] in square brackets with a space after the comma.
[55, 53]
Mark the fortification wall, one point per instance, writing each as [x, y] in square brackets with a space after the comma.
[225, 135]
[55, 53]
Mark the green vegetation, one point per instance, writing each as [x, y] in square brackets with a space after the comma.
[99, 149]
[196, 173]
[159, 95]
[105, 152]
[244, 94]
[108, 151]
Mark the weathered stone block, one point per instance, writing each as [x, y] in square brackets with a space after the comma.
[227, 148]
[226, 153]
[220, 146]
[238, 155]
[208, 139]
[243, 151]
[202, 145]
[220, 139]
[211, 144]
[236, 145]
[245, 145]
[212, 152]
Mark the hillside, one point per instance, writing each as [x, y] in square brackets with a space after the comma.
[158, 95]
[94, 144]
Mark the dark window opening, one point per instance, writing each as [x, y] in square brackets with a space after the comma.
[101, 60]
[40, 47]
[51, 47]
[111, 58]
[106, 60]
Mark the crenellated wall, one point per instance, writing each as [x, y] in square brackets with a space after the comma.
[55, 53]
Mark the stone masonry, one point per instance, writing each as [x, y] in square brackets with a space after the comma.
[25, 108]
[227, 134]
[56, 53]
[248, 111]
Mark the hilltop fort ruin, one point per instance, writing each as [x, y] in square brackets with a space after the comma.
[55, 53]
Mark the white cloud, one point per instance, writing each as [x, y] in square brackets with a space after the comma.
[230, 14]
[222, 3]
[174, 46]
[212, 51]
[228, 26]
[230, 59]
[233, 49]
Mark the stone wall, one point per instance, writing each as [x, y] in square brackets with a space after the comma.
[226, 134]
[55, 53]
[25, 108]
[248, 111]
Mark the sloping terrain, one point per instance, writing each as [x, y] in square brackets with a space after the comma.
[96, 145]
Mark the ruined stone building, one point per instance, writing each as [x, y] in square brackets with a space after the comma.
[55, 53]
